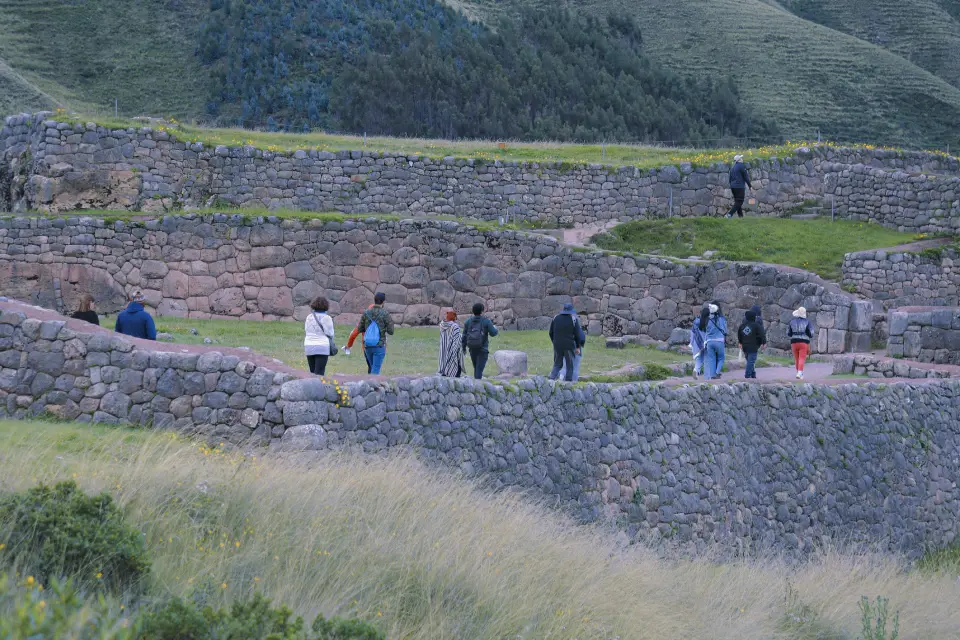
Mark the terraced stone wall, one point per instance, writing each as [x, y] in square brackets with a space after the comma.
[268, 268]
[747, 467]
[58, 166]
[900, 278]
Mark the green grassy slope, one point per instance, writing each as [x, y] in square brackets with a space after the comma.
[17, 94]
[802, 75]
[88, 53]
[925, 32]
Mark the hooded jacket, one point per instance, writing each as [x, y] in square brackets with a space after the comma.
[134, 321]
[751, 336]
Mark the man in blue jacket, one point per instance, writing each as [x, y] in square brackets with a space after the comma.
[134, 321]
[739, 180]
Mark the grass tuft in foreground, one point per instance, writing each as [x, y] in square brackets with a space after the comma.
[814, 245]
[421, 553]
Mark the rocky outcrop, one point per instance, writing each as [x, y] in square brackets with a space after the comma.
[230, 266]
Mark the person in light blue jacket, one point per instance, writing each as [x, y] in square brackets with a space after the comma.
[716, 336]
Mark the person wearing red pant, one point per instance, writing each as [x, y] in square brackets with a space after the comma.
[800, 333]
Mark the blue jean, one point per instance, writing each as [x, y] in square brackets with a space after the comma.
[715, 357]
[751, 358]
[576, 366]
[375, 356]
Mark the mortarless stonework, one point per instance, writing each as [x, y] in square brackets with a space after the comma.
[59, 166]
[748, 467]
[220, 265]
[901, 278]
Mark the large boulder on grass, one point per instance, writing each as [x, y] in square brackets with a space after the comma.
[511, 363]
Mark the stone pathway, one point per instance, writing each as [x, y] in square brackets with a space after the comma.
[814, 373]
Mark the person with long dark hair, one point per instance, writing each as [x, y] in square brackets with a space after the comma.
[318, 344]
[698, 341]
[86, 310]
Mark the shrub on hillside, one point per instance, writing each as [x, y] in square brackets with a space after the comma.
[254, 619]
[60, 531]
[27, 612]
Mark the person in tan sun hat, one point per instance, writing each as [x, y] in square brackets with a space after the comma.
[800, 333]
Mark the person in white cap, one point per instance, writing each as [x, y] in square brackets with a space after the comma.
[716, 337]
[800, 333]
[739, 181]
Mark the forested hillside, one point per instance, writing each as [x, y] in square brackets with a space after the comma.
[702, 72]
[416, 67]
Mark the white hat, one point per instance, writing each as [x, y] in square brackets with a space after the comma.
[800, 313]
[738, 158]
[713, 308]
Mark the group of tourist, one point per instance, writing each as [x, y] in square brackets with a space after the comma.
[319, 344]
[708, 338]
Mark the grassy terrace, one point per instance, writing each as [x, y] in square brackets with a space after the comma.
[814, 245]
[482, 150]
[421, 553]
[411, 351]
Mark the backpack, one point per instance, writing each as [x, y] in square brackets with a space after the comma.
[371, 337]
[475, 333]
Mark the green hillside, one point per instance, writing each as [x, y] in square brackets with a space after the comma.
[804, 76]
[854, 70]
[17, 94]
[925, 32]
[86, 54]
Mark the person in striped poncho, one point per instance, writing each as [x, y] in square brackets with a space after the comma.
[450, 363]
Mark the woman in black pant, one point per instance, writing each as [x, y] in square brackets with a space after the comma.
[318, 336]
[739, 180]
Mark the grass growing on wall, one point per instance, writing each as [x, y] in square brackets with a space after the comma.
[814, 245]
[421, 553]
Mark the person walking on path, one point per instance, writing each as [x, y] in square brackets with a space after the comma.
[698, 341]
[751, 337]
[353, 337]
[578, 356]
[800, 333]
[716, 336]
[318, 344]
[567, 338]
[739, 180]
[85, 311]
[375, 324]
[476, 337]
[450, 362]
[134, 321]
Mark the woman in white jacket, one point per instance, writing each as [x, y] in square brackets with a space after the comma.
[318, 336]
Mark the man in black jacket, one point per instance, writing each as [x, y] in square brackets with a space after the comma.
[739, 181]
[751, 337]
[567, 337]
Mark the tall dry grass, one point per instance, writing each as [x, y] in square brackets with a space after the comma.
[424, 554]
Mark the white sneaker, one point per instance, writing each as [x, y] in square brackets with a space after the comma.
[799, 375]
[346, 351]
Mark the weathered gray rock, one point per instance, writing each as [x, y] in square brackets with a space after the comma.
[511, 363]
[307, 437]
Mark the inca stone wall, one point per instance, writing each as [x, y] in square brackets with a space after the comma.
[748, 467]
[908, 201]
[267, 268]
[899, 278]
[57, 166]
[925, 334]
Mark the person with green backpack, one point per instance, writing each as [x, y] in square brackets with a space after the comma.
[476, 337]
[375, 324]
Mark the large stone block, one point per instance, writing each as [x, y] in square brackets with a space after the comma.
[307, 437]
[511, 363]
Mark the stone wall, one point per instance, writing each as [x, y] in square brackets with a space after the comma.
[899, 278]
[925, 334]
[267, 268]
[58, 166]
[865, 364]
[745, 466]
[908, 201]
